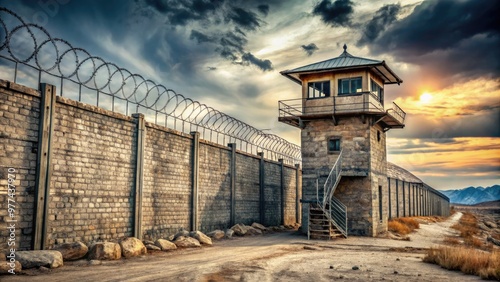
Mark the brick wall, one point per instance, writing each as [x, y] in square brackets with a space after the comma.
[93, 174]
[167, 182]
[92, 179]
[247, 189]
[19, 113]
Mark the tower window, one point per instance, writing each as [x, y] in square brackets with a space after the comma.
[377, 90]
[378, 135]
[350, 85]
[334, 145]
[319, 89]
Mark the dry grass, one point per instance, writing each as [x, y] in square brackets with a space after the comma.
[496, 236]
[403, 225]
[468, 228]
[468, 260]
[398, 227]
[451, 241]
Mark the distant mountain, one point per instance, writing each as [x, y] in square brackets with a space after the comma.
[473, 195]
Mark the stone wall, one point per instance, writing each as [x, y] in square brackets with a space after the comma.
[96, 180]
[378, 174]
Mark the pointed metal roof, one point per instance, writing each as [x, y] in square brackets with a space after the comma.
[345, 61]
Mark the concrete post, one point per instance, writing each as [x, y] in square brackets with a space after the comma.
[404, 199]
[262, 199]
[139, 174]
[397, 198]
[43, 167]
[297, 194]
[233, 183]
[282, 190]
[195, 166]
[390, 198]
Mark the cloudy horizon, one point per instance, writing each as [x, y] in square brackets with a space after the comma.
[229, 54]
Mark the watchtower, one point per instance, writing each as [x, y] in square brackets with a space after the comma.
[343, 126]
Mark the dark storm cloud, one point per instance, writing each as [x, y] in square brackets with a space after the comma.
[310, 48]
[382, 18]
[221, 25]
[200, 37]
[244, 18]
[336, 13]
[455, 37]
[249, 58]
[264, 9]
[181, 12]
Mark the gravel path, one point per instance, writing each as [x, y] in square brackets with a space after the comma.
[284, 256]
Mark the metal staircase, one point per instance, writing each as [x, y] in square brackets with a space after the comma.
[328, 216]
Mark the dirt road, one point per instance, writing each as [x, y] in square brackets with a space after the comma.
[276, 257]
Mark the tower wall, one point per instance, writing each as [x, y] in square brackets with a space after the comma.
[378, 176]
[364, 169]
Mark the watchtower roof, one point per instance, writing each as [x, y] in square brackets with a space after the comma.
[345, 61]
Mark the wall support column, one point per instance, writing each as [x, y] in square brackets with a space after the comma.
[139, 174]
[297, 190]
[404, 199]
[43, 166]
[282, 190]
[233, 183]
[262, 199]
[195, 166]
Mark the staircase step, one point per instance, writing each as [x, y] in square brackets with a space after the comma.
[320, 230]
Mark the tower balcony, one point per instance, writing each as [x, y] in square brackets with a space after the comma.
[295, 111]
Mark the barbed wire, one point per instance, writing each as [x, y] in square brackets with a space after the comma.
[58, 58]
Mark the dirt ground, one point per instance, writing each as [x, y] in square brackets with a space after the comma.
[286, 256]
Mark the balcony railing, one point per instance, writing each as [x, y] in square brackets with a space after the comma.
[291, 111]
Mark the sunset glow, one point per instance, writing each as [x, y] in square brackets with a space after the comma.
[426, 97]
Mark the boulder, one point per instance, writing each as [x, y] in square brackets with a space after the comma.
[72, 251]
[259, 226]
[48, 258]
[201, 237]
[105, 251]
[252, 231]
[165, 245]
[239, 229]
[132, 247]
[7, 267]
[490, 224]
[229, 233]
[482, 226]
[216, 234]
[493, 240]
[186, 242]
[153, 247]
[181, 232]
[147, 242]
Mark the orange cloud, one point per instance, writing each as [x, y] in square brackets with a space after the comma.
[466, 156]
[465, 98]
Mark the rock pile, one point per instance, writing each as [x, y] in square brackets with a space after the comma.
[128, 247]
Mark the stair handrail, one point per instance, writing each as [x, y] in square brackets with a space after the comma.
[329, 187]
[333, 178]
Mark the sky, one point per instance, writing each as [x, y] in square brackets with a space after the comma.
[229, 54]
